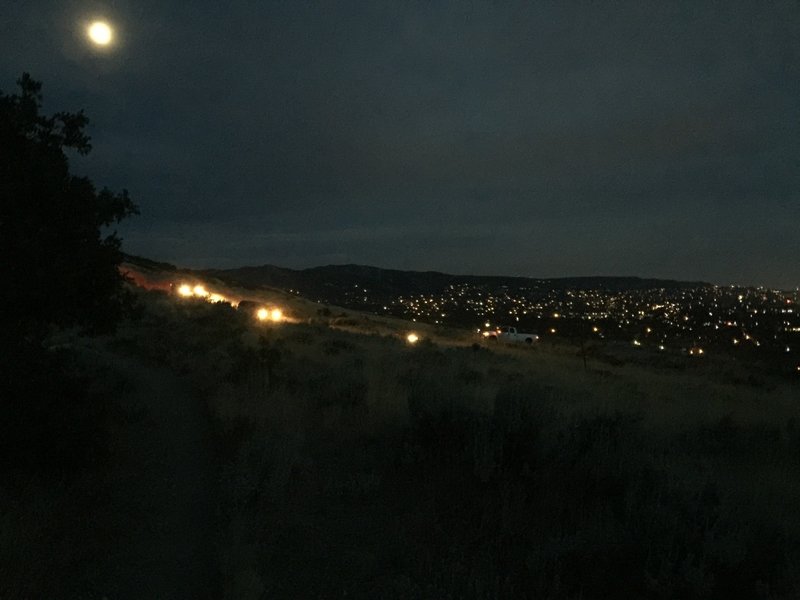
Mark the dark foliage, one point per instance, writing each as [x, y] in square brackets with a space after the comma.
[58, 267]
[49, 420]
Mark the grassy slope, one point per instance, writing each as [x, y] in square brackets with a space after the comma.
[353, 464]
[358, 465]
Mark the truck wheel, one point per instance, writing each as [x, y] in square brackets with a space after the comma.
[492, 338]
[528, 340]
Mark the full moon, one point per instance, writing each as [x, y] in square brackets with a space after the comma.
[100, 33]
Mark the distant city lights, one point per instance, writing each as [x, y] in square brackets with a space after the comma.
[723, 318]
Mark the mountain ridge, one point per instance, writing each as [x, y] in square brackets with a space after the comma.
[368, 274]
[396, 279]
[277, 276]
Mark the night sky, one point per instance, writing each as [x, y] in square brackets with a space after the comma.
[541, 139]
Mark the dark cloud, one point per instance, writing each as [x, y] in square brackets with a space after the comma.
[658, 139]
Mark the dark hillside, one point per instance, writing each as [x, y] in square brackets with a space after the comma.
[321, 280]
[308, 460]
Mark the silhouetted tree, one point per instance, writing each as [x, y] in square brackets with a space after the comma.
[58, 267]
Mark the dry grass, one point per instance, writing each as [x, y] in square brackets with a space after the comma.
[353, 433]
[355, 464]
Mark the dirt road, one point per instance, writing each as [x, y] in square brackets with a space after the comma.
[158, 524]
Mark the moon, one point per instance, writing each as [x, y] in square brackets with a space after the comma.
[100, 33]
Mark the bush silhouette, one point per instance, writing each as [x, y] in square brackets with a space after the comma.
[59, 269]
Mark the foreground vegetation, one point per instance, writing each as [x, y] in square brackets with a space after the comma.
[355, 465]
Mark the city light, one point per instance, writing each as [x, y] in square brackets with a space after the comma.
[740, 319]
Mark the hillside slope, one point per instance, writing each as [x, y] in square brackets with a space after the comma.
[355, 464]
[317, 281]
[326, 457]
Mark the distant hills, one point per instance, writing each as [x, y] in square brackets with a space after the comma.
[405, 282]
[331, 280]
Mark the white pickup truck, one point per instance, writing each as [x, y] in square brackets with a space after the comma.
[510, 334]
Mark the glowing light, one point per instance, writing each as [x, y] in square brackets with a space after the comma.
[661, 348]
[100, 33]
[486, 334]
[552, 330]
[637, 343]
[199, 291]
[412, 338]
[217, 298]
[595, 329]
[185, 291]
[556, 316]
[269, 314]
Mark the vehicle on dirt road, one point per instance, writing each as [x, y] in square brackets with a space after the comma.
[511, 335]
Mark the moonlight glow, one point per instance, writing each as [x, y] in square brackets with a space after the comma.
[100, 33]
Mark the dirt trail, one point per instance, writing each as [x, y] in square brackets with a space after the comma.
[158, 525]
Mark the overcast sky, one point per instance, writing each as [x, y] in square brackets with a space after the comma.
[534, 138]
